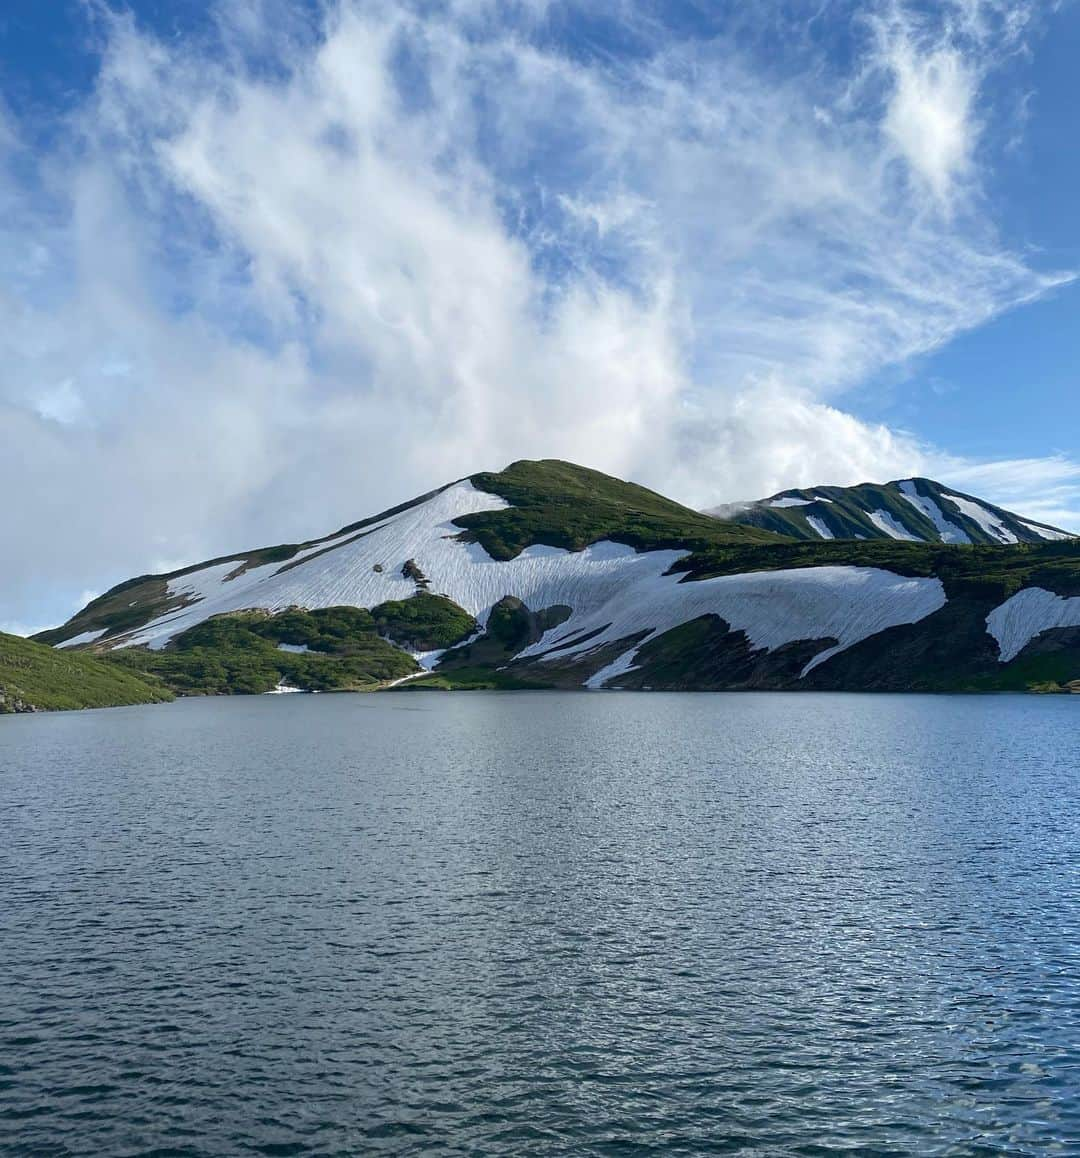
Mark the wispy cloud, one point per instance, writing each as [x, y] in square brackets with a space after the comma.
[1044, 489]
[265, 284]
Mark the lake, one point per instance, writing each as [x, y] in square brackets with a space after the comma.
[542, 923]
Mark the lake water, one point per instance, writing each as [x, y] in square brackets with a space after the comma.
[565, 924]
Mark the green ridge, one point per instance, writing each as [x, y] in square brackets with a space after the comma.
[34, 677]
[558, 504]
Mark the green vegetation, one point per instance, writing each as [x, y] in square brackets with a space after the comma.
[424, 622]
[510, 628]
[34, 677]
[124, 608]
[1047, 672]
[241, 653]
[559, 504]
[991, 572]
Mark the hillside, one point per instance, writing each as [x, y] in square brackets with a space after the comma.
[34, 677]
[909, 510]
[530, 504]
[551, 575]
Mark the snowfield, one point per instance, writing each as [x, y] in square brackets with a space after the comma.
[611, 589]
[772, 608]
[1028, 614]
[339, 571]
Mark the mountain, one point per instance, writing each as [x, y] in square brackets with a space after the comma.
[35, 678]
[552, 575]
[915, 510]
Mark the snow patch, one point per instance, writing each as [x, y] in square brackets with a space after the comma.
[1027, 614]
[990, 522]
[85, 637]
[282, 690]
[891, 526]
[820, 527]
[294, 648]
[949, 532]
[1047, 533]
[428, 659]
[790, 502]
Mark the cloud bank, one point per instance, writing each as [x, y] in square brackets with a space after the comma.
[266, 282]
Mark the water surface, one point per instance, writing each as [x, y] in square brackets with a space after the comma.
[565, 924]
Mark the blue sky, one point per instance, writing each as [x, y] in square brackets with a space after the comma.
[270, 267]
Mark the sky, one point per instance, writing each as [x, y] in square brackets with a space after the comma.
[268, 268]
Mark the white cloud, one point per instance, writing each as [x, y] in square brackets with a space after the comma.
[16, 627]
[1044, 489]
[265, 289]
[929, 116]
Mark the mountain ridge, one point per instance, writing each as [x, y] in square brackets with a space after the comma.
[916, 509]
[549, 574]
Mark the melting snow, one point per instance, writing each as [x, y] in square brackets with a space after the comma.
[345, 575]
[949, 532]
[791, 502]
[428, 659]
[986, 519]
[820, 527]
[613, 590]
[1027, 614]
[773, 608]
[1047, 533]
[294, 648]
[891, 526]
[86, 637]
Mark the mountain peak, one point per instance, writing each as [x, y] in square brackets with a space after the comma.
[915, 509]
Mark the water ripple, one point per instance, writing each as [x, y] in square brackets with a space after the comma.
[542, 924]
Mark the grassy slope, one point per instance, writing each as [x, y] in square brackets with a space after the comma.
[996, 572]
[238, 654]
[559, 504]
[35, 676]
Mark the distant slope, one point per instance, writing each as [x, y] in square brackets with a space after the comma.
[915, 510]
[34, 677]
